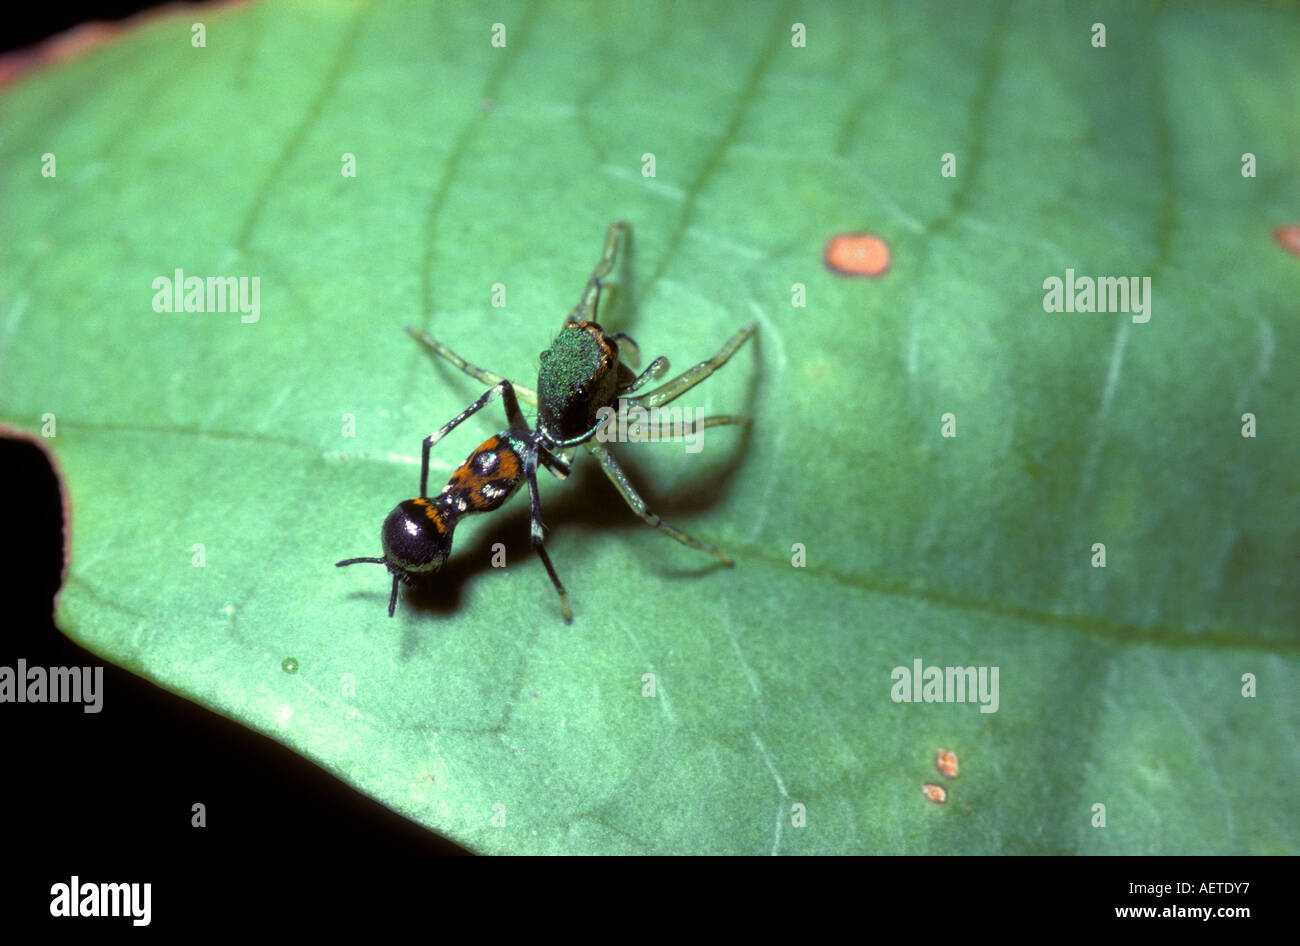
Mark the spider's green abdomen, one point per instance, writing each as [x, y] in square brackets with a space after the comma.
[578, 376]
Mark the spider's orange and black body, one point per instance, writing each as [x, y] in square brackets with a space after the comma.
[417, 534]
[581, 377]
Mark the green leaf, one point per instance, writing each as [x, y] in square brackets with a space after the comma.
[478, 164]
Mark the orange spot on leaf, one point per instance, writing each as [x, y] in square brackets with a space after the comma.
[935, 793]
[946, 762]
[1288, 238]
[857, 254]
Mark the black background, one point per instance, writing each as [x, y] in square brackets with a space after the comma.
[104, 794]
[107, 796]
[23, 27]
[124, 779]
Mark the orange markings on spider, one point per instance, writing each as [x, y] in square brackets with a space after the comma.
[935, 793]
[608, 352]
[487, 479]
[857, 254]
[431, 513]
[946, 762]
[488, 462]
[1288, 238]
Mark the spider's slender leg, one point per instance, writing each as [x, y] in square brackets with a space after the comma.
[626, 341]
[657, 369]
[693, 376]
[560, 466]
[559, 462]
[667, 430]
[392, 598]
[587, 435]
[528, 395]
[513, 414]
[537, 535]
[634, 500]
[585, 310]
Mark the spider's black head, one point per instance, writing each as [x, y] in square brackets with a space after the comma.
[417, 540]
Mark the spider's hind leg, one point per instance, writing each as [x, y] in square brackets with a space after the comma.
[638, 505]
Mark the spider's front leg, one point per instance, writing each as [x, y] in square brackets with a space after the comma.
[657, 369]
[694, 375]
